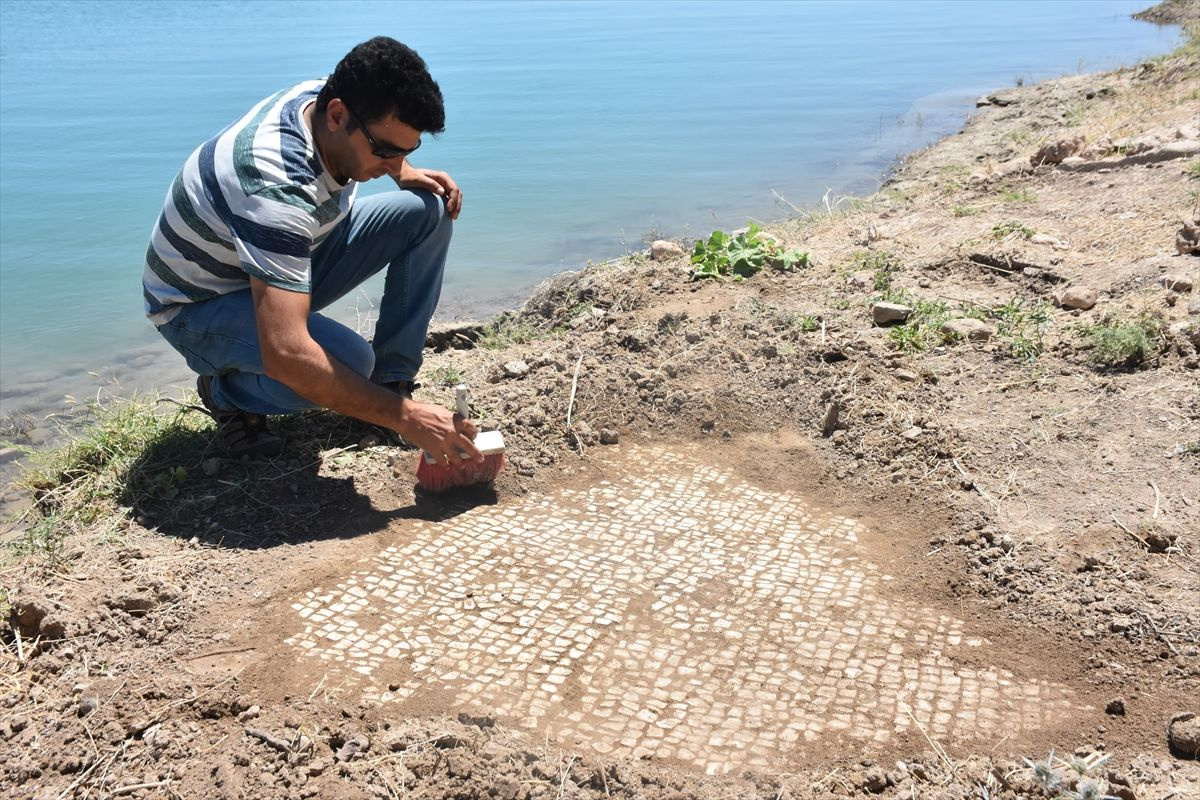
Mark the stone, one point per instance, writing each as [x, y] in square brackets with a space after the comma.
[906, 375]
[1183, 735]
[661, 250]
[1187, 241]
[875, 780]
[608, 436]
[1080, 297]
[1045, 238]
[1176, 283]
[887, 313]
[1055, 152]
[973, 330]
[913, 433]
[516, 369]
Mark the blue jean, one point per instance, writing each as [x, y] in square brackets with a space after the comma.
[408, 232]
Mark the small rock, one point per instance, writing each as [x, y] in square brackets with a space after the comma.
[1115, 707]
[1187, 241]
[506, 788]
[1183, 735]
[1177, 283]
[353, 746]
[1057, 151]
[875, 780]
[913, 433]
[973, 330]
[887, 313]
[1080, 297]
[924, 283]
[316, 767]
[1045, 238]
[661, 250]
[211, 467]
[1121, 624]
[608, 436]
[906, 376]
[516, 369]
[249, 714]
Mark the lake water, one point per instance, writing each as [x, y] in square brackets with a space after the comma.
[575, 129]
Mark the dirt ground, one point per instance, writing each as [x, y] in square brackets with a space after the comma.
[1048, 503]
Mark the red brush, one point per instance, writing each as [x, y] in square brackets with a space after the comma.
[433, 477]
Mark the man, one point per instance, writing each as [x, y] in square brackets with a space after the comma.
[260, 230]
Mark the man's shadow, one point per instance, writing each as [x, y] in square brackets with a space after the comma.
[319, 487]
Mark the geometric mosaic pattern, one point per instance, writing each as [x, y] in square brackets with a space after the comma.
[694, 618]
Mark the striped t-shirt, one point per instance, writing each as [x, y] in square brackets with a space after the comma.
[253, 201]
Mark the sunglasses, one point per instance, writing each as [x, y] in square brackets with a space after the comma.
[380, 150]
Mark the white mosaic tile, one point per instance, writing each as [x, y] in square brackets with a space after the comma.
[693, 617]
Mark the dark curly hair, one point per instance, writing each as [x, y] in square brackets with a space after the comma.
[382, 76]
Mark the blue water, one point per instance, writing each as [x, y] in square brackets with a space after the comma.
[574, 129]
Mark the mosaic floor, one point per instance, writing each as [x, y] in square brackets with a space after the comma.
[694, 618]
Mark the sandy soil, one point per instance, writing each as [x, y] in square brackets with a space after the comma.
[1048, 505]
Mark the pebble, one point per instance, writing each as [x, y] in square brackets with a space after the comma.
[1176, 283]
[973, 330]
[516, 369]
[886, 313]
[661, 250]
[1078, 297]
[1183, 735]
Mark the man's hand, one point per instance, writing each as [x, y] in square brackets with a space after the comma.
[291, 356]
[440, 183]
[444, 435]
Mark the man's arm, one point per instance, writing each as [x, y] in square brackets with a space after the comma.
[292, 357]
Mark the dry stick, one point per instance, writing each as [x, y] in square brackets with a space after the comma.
[1157, 632]
[974, 484]
[1131, 533]
[20, 649]
[137, 787]
[67, 791]
[937, 748]
[574, 387]
[1157, 498]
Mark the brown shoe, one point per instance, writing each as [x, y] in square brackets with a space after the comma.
[241, 433]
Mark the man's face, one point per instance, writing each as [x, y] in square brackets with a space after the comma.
[358, 143]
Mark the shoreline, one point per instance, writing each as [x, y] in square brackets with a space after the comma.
[149, 366]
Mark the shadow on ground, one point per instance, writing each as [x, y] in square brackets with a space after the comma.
[319, 488]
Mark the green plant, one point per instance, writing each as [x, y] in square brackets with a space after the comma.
[1020, 328]
[1010, 194]
[1193, 169]
[446, 375]
[89, 478]
[1069, 780]
[882, 264]
[742, 255]
[923, 328]
[506, 330]
[807, 323]
[1010, 229]
[966, 211]
[1122, 343]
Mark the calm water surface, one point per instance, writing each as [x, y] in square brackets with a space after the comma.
[574, 129]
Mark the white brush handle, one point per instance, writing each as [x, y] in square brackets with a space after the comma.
[462, 400]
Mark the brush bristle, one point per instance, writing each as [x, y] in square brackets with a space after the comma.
[433, 477]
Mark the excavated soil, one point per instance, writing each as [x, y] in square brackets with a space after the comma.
[748, 543]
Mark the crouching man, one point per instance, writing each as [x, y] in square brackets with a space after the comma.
[260, 230]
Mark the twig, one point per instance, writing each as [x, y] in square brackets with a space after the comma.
[67, 791]
[937, 748]
[1157, 498]
[20, 649]
[1157, 632]
[270, 740]
[137, 787]
[974, 484]
[574, 388]
[1131, 533]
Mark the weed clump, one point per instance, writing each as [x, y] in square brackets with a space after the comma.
[743, 255]
[1122, 344]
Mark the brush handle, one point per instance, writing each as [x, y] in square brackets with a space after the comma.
[462, 401]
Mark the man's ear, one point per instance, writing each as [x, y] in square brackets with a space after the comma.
[337, 116]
